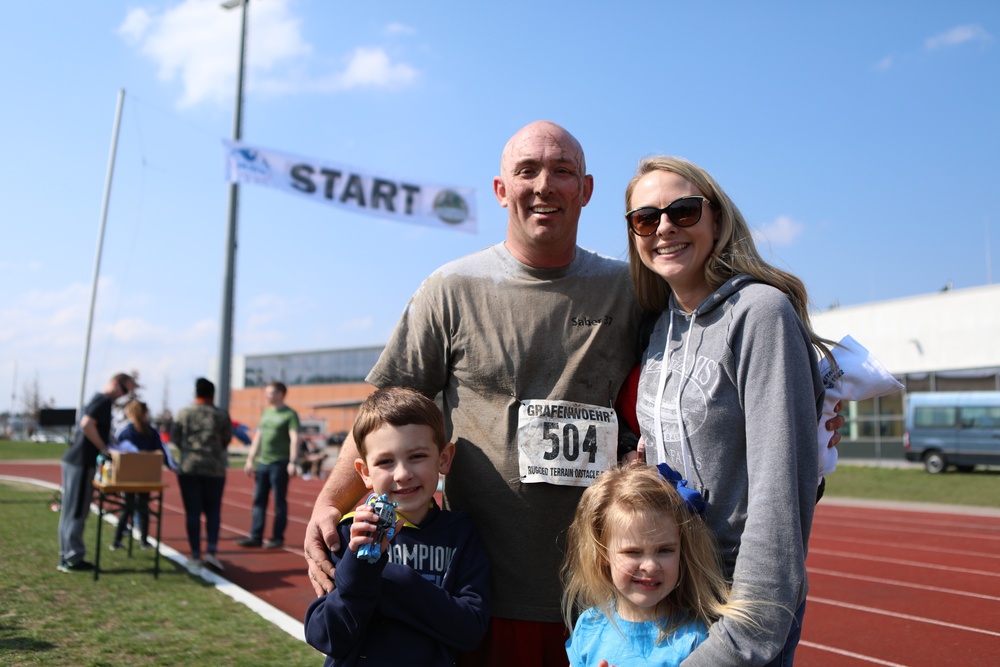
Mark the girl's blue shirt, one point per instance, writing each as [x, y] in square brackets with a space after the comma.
[629, 644]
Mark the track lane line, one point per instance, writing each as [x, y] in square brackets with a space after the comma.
[912, 547]
[908, 617]
[849, 654]
[899, 561]
[903, 584]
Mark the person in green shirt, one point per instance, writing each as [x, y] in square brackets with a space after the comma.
[277, 442]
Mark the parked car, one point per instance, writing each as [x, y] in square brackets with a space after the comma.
[48, 436]
[953, 428]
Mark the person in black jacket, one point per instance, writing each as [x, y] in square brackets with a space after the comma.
[78, 464]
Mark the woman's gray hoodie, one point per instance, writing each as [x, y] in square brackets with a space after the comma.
[738, 410]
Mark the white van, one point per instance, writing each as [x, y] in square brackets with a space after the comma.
[959, 428]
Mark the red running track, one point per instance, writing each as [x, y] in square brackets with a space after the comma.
[891, 584]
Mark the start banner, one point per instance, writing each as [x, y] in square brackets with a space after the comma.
[352, 189]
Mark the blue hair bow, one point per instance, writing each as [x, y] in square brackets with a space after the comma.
[692, 498]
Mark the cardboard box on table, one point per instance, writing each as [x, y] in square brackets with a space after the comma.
[136, 467]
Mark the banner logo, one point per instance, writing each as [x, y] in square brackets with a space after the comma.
[450, 207]
[251, 166]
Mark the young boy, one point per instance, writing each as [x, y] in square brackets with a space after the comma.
[427, 597]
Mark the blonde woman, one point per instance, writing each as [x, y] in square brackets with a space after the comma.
[729, 394]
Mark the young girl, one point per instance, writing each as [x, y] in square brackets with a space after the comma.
[642, 566]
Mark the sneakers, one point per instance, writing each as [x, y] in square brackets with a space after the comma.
[194, 563]
[144, 545]
[213, 562]
[252, 542]
[80, 566]
[115, 546]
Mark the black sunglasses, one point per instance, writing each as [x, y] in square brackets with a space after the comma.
[683, 212]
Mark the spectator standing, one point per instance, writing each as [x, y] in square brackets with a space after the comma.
[277, 441]
[78, 464]
[202, 433]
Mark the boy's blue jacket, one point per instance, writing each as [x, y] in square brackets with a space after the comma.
[426, 599]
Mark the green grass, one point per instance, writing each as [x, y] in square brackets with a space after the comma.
[125, 618]
[981, 487]
[13, 450]
[17, 450]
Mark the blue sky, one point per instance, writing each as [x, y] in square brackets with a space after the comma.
[860, 139]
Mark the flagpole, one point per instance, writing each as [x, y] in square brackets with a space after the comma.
[229, 274]
[100, 248]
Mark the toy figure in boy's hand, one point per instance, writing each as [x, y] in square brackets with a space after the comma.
[385, 527]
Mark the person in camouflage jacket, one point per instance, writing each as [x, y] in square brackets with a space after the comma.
[202, 432]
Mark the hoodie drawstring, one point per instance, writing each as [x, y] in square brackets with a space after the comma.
[661, 385]
[658, 406]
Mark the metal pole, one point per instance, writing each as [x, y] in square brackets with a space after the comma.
[100, 248]
[229, 276]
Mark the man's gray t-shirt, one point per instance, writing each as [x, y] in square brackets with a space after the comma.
[488, 332]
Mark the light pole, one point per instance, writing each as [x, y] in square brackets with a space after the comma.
[100, 250]
[229, 276]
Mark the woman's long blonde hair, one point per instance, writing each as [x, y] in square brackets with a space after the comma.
[619, 497]
[734, 251]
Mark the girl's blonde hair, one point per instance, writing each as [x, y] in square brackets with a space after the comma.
[618, 498]
[137, 412]
[734, 251]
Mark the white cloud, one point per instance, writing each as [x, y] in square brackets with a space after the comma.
[957, 36]
[399, 29]
[134, 329]
[782, 232]
[42, 334]
[367, 68]
[196, 42]
[372, 67]
[135, 25]
[884, 64]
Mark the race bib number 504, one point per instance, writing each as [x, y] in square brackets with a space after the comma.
[560, 442]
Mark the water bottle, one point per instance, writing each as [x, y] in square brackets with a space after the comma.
[100, 469]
